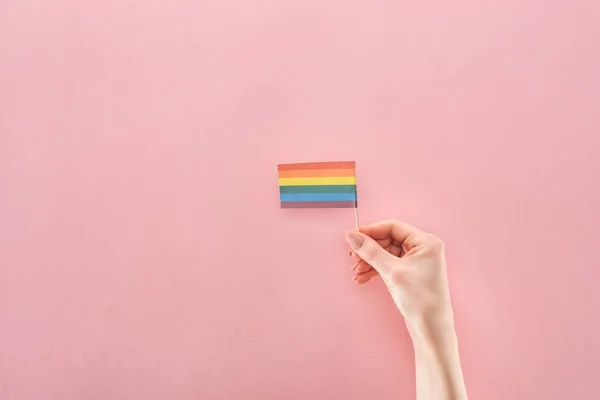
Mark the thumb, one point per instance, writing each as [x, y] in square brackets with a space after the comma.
[369, 250]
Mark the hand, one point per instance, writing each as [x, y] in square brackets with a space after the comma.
[410, 262]
[413, 267]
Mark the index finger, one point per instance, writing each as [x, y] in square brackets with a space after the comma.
[390, 228]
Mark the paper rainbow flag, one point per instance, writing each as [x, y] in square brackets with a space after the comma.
[318, 185]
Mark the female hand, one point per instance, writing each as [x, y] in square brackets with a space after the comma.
[410, 262]
[413, 267]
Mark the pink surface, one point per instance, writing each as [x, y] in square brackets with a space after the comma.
[143, 253]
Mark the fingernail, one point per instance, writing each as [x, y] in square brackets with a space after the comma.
[355, 266]
[354, 240]
[350, 254]
[355, 279]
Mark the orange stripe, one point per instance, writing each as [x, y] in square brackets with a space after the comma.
[314, 173]
[317, 165]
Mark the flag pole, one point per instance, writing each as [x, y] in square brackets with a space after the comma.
[356, 217]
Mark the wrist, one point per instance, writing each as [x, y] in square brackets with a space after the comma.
[436, 314]
[433, 329]
[439, 374]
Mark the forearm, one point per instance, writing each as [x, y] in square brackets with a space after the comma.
[437, 362]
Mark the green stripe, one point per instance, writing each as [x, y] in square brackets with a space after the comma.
[318, 189]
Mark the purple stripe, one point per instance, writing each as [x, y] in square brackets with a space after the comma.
[318, 204]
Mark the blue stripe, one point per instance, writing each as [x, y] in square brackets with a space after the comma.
[317, 197]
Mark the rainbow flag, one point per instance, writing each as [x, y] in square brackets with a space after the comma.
[318, 185]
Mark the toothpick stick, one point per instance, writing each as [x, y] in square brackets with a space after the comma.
[356, 217]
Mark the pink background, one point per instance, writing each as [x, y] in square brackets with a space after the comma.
[143, 254]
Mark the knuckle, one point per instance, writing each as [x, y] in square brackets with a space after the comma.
[435, 243]
[374, 253]
[392, 221]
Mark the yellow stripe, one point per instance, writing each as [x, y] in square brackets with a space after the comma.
[342, 180]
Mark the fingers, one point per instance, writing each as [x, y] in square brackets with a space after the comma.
[364, 277]
[370, 251]
[361, 266]
[377, 247]
[390, 228]
[388, 244]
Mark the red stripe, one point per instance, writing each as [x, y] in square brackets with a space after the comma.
[318, 165]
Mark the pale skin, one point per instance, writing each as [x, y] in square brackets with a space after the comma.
[412, 265]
